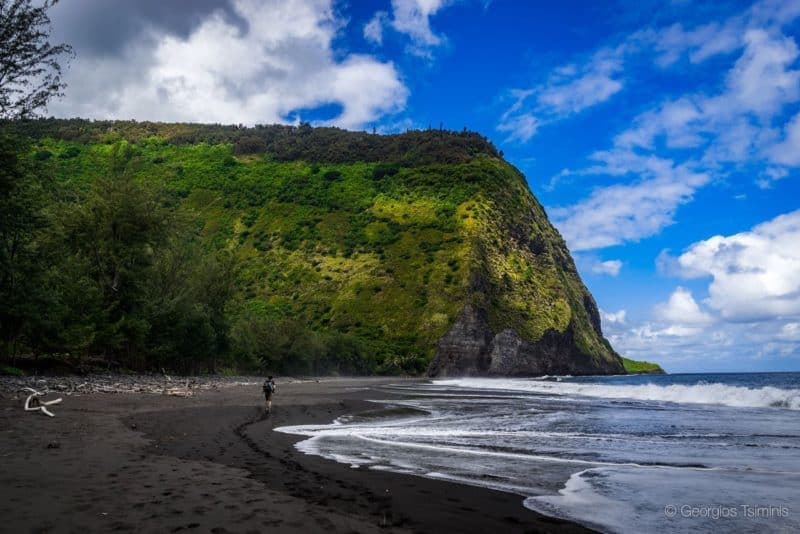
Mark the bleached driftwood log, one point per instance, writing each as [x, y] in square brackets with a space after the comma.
[33, 404]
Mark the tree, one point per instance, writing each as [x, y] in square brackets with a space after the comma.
[30, 72]
[20, 222]
[117, 230]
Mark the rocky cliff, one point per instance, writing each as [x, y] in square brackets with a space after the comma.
[352, 253]
[527, 312]
[471, 348]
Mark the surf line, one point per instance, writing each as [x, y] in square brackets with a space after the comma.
[517, 456]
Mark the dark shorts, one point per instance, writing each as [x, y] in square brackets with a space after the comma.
[268, 396]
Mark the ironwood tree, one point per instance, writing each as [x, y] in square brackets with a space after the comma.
[30, 66]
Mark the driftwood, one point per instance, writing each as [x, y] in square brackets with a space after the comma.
[33, 404]
[114, 384]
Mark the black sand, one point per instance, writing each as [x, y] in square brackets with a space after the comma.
[211, 463]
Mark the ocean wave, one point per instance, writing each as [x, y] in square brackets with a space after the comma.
[708, 393]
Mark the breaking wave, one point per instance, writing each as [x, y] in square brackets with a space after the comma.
[712, 393]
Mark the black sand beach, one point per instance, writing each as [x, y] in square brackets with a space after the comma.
[211, 463]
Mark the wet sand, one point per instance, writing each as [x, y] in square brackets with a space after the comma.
[211, 463]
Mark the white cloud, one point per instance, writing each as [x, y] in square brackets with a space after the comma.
[373, 30]
[282, 62]
[728, 124]
[760, 81]
[609, 267]
[411, 18]
[790, 331]
[719, 345]
[699, 43]
[682, 310]
[770, 176]
[670, 119]
[751, 311]
[617, 317]
[519, 127]
[627, 212]
[574, 91]
[568, 91]
[755, 274]
[787, 151]
[734, 126]
[679, 325]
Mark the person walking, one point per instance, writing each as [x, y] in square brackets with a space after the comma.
[269, 389]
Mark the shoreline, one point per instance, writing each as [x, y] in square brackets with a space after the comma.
[212, 463]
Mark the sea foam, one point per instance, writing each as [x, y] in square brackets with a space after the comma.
[723, 394]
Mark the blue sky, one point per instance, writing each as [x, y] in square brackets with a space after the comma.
[663, 138]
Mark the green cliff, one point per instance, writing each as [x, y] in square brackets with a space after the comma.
[317, 250]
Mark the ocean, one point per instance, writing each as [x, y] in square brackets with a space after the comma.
[668, 453]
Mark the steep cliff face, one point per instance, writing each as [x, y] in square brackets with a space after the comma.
[471, 348]
[527, 311]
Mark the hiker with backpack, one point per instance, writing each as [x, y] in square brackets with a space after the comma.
[269, 388]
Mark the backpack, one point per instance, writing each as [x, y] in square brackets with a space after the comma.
[269, 386]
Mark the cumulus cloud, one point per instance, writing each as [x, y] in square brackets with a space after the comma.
[411, 18]
[114, 25]
[681, 309]
[249, 61]
[678, 323]
[617, 317]
[752, 308]
[755, 274]
[609, 267]
[718, 345]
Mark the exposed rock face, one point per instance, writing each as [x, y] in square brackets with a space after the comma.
[470, 348]
[464, 350]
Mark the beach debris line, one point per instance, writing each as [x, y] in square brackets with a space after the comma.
[154, 384]
[33, 404]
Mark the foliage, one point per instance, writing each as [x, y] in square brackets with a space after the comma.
[30, 72]
[165, 245]
[22, 206]
[634, 366]
[7, 370]
[281, 142]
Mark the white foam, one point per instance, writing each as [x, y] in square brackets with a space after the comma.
[714, 393]
[579, 500]
[610, 499]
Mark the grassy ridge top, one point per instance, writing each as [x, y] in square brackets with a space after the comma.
[281, 142]
[641, 367]
[350, 252]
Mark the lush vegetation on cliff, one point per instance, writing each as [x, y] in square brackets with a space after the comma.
[637, 367]
[292, 249]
